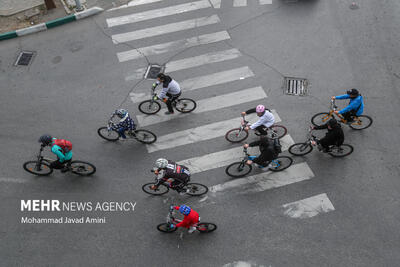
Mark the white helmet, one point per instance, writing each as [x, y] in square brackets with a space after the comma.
[161, 163]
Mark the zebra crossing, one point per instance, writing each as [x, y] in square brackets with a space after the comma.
[204, 80]
[238, 3]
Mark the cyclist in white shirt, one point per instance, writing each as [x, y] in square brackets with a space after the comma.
[170, 89]
[265, 121]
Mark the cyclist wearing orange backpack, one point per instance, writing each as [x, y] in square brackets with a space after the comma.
[61, 148]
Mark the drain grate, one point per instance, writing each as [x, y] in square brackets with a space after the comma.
[295, 86]
[24, 58]
[152, 71]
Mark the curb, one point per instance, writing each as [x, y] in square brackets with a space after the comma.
[51, 24]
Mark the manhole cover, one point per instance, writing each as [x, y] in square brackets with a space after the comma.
[24, 58]
[295, 86]
[152, 71]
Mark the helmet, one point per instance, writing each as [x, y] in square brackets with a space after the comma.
[332, 123]
[161, 163]
[353, 92]
[45, 139]
[161, 76]
[121, 112]
[260, 108]
[185, 210]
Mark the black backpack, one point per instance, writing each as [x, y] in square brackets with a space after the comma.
[277, 145]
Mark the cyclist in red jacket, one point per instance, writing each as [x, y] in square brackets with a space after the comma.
[191, 218]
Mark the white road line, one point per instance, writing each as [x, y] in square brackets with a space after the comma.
[164, 29]
[223, 158]
[216, 3]
[173, 46]
[239, 3]
[209, 104]
[191, 62]
[204, 81]
[135, 3]
[198, 134]
[268, 180]
[158, 13]
[309, 207]
[265, 2]
[12, 180]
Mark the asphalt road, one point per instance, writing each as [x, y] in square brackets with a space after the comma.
[79, 76]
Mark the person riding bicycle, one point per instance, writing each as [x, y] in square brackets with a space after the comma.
[61, 148]
[355, 107]
[267, 149]
[334, 136]
[265, 121]
[190, 220]
[171, 89]
[126, 122]
[176, 175]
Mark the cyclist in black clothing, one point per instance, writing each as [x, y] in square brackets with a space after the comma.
[334, 136]
[177, 175]
[267, 149]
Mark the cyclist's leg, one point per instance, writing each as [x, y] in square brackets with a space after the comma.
[121, 132]
[324, 145]
[349, 116]
[262, 130]
[169, 103]
[57, 164]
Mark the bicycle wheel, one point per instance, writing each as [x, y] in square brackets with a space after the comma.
[361, 122]
[236, 135]
[82, 168]
[300, 149]
[281, 163]
[320, 118]
[278, 131]
[238, 169]
[161, 189]
[111, 135]
[145, 136]
[42, 170]
[149, 107]
[195, 189]
[341, 151]
[164, 227]
[206, 227]
[185, 105]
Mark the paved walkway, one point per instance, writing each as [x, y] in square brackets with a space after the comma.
[10, 7]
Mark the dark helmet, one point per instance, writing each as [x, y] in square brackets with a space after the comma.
[353, 92]
[332, 123]
[45, 139]
[161, 76]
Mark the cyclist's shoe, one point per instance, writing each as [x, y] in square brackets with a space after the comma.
[64, 169]
[191, 229]
[168, 113]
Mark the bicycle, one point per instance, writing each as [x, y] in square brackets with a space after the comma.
[141, 135]
[152, 106]
[301, 149]
[240, 169]
[162, 187]
[203, 227]
[237, 135]
[359, 122]
[41, 166]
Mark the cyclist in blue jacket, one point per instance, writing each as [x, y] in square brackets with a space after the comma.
[355, 107]
[126, 122]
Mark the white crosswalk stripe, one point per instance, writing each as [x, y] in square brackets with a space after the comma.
[164, 29]
[268, 180]
[265, 2]
[198, 134]
[135, 3]
[239, 3]
[226, 157]
[157, 13]
[209, 104]
[173, 46]
[309, 207]
[204, 81]
[191, 62]
[216, 3]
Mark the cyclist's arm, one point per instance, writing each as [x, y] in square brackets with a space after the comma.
[252, 110]
[163, 92]
[255, 143]
[267, 120]
[58, 151]
[346, 96]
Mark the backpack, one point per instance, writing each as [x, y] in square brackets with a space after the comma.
[65, 145]
[277, 145]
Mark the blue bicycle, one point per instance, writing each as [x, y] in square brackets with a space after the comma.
[241, 168]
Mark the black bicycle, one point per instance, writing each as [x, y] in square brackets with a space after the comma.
[161, 187]
[152, 106]
[202, 227]
[301, 149]
[42, 166]
[237, 135]
[143, 136]
[240, 169]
